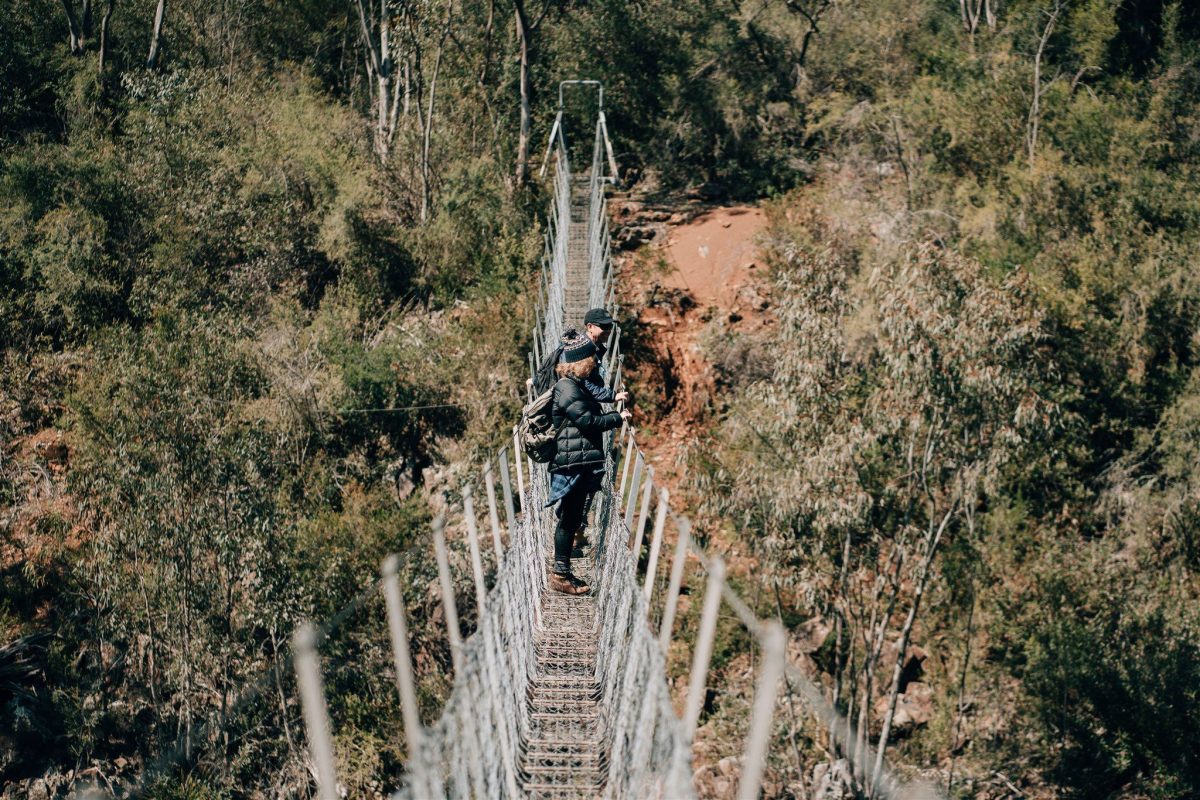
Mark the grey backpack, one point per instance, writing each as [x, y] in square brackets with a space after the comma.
[536, 431]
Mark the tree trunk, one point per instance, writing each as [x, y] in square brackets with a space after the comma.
[156, 35]
[380, 69]
[283, 709]
[841, 629]
[187, 649]
[383, 140]
[1035, 104]
[108, 9]
[407, 84]
[526, 115]
[76, 33]
[894, 692]
[427, 131]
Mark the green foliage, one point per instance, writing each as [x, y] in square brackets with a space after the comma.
[1061, 350]
[1114, 682]
[268, 338]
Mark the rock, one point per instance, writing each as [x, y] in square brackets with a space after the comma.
[403, 485]
[914, 661]
[749, 296]
[627, 209]
[832, 781]
[717, 780]
[399, 474]
[803, 662]
[631, 237]
[811, 635]
[914, 708]
[38, 790]
[53, 450]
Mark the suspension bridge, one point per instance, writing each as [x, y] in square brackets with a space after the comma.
[555, 696]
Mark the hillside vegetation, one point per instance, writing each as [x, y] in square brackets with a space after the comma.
[973, 429]
[264, 296]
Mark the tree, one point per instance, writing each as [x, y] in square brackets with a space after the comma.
[881, 445]
[180, 491]
[160, 13]
[526, 31]
[375, 36]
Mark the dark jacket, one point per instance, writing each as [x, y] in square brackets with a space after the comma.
[581, 425]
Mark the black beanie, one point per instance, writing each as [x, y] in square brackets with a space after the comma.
[577, 347]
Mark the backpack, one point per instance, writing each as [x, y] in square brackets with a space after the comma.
[536, 431]
[545, 378]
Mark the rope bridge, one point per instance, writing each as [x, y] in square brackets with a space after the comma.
[558, 696]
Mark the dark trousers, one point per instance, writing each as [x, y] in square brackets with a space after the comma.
[572, 514]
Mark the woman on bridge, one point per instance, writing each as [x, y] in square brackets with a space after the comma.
[578, 464]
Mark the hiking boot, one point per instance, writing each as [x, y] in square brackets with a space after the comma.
[567, 584]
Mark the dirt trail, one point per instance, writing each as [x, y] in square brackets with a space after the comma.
[694, 268]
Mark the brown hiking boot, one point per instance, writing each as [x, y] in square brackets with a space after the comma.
[567, 584]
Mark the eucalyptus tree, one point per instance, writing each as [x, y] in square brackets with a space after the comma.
[902, 395]
[183, 540]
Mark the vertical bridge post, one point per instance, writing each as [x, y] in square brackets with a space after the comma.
[506, 484]
[675, 584]
[774, 644]
[660, 522]
[704, 646]
[640, 533]
[401, 657]
[449, 607]
[316, 715]
[634, 485]
[490, 482]
[476, 558]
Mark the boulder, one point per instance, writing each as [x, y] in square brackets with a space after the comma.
[914, 661]
[750, 297]
[833, 781]
[718, 780]
[631, 237]
[914, 708]
[811, 635]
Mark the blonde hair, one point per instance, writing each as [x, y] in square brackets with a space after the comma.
[576, 369]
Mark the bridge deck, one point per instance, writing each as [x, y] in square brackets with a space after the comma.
[564, 758]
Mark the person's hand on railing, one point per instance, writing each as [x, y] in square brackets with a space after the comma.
[626, 415]
[622, 397]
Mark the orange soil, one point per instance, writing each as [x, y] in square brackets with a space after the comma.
[713, 254]
[709, 259]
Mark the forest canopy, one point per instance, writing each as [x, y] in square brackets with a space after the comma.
[251, 257]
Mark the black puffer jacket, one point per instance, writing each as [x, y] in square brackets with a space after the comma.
[581, 424]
